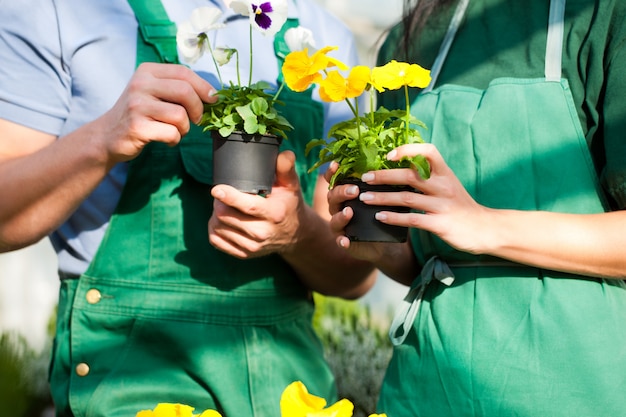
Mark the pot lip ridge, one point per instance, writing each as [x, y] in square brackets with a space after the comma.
[382, 187]
[247, 137]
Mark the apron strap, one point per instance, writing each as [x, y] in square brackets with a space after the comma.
[459, 13]
[157, 40]
[554, 44]
[403, 320]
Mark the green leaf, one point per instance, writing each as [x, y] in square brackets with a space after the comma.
[422, 165]
[259, 106]
[313, 144]
[246, 111]
[251, 126]
[226, 131]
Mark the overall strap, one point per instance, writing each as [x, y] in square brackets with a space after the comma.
[281, 50]
[157, 40]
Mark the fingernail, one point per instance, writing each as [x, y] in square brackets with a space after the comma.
[366, 197]
[380, 216]
[212, 93]
[368, 176]
[344, 211]
[392, 154]
[352, 190]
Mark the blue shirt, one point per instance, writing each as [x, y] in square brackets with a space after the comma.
[66, 63]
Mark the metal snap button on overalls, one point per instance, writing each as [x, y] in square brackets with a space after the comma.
[93, 296]
[82, 369]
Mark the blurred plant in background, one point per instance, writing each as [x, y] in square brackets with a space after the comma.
[24, 389]
[357, 348]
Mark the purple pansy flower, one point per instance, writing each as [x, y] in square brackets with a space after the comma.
[268, 16]
[261, 14]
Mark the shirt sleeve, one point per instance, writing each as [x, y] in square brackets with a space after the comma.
[613, 175]
[34, 85]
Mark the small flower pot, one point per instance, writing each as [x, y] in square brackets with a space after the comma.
[363, 227]
[246, 162]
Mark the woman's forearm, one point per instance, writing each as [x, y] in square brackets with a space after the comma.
[587, 244]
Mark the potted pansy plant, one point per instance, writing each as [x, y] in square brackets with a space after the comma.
[295, 401]
[361, 144]
[245, 123]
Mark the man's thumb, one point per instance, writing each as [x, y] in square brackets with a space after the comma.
[286, 174]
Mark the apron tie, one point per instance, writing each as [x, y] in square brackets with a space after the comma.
[403, 320]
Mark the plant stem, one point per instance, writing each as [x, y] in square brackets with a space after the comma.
[217, 67]
[280, 88]
[408, 109]
[355, 111]
[237, 60]
[372, 105]
[250, 74]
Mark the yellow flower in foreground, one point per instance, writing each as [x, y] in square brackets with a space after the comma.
[294, 402]
[337, 88]
[301, 70]
[175, 410]
[395, 75]
[297, 402]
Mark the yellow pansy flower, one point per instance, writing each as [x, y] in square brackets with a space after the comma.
[301, 70]
[175, 410]
[395, 75]
[167, 410]
[342, 408]
[297, 402]
[335, 87]
[294, 402]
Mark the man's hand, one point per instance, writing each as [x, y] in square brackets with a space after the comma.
[250, 226]
[158, 104]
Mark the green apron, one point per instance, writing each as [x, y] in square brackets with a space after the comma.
[478, 336]
[162, 316]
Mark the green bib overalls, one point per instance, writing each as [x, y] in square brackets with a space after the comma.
[493, 338]
[162, 316]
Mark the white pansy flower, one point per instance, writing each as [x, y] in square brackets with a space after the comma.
[192, 38]
[299, 38]
[223, 55]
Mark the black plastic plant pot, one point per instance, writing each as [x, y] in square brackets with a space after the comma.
[363, 227]
[246, 162]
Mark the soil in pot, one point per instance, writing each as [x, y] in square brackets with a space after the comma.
[246, 162]
[364, 227]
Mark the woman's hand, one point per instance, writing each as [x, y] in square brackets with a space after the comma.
[442, 206]
[396, 260]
